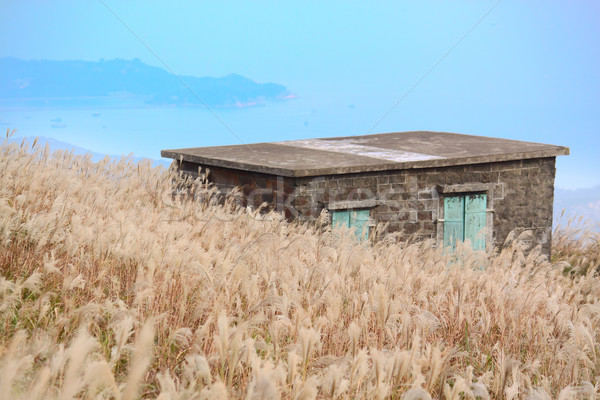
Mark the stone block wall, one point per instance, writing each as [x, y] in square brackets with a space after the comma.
[520, 195]
[256, 188]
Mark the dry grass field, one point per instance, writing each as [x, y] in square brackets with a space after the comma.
[111, 287]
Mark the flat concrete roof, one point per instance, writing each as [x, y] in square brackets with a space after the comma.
[352, 154]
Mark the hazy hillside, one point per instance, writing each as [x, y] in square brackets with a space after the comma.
[55, 80]
[112, 285]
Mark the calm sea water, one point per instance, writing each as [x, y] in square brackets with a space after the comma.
[144, 131]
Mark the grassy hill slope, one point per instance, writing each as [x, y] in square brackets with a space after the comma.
[111, 287]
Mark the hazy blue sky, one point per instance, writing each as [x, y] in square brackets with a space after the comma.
[528, 70]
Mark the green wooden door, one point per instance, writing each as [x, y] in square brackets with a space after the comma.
[454, 220]
[356, 219]
[464, 219]
[475, 206]
[339, 218]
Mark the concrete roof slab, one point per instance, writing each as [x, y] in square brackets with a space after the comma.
[353, 154]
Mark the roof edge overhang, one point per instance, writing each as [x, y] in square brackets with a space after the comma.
[180, 154]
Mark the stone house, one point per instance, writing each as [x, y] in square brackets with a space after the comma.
[440, 185]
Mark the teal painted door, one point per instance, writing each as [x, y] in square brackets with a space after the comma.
[454, 220]
[356, 219]
[340, 218]
[475, 206]
[464, 219]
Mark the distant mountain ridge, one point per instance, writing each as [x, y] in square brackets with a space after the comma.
[31, 80]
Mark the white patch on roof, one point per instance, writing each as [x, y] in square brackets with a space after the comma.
[350, 146]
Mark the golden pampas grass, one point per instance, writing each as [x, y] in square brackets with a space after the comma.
[123, 281]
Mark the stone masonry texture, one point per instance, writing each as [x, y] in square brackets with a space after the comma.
[410, 201]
